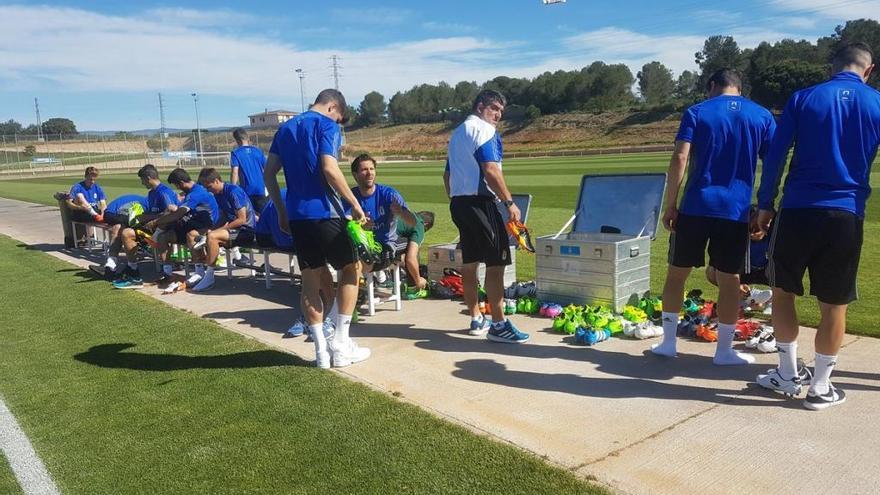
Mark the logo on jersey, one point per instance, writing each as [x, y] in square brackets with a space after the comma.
[846, 94]
[734, 106]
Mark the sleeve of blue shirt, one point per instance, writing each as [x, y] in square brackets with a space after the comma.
[774, 161]
[233, 160]
[688, 126]
[330, 139]
[767, 138]
[166, 199]
[239, 199]
[490, 151]
[101, 195]
[276, 145]
[76, 189]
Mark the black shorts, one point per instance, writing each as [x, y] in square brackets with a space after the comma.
[757, 275]
[481, 230]
[728, 242]
[199, 221]
[241, 236]
[318, 242]
[115, 219]
[265, 240]
[259, 203]
[389, 255]
[828, 243]
[81, 216]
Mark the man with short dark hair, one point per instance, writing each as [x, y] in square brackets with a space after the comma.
[248, 163]
[835, 128]
[239, 221]
[723, 137]
[197, 213]
[161, 201]
[474, 181]
[382, 205]
[306, 147]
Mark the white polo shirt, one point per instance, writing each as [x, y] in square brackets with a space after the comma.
[473, 142]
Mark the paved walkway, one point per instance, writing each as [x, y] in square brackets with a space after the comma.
[637, 423]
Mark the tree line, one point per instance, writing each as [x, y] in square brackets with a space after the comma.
[771, 73]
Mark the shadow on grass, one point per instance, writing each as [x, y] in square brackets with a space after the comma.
[112, 356]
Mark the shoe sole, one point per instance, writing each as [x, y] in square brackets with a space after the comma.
[129, 287]
[342, 364]
[780, 391]
[506, 341]
[478, 333]
[823, 405]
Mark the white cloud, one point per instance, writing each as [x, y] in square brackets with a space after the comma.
[448, 27]
[179, 16]
[833, 9]
[371, 16]
[797, 22]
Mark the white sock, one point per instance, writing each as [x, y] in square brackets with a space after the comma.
[133, 265]
[380, 277]
[343, 322]
[110, 263]
[787, 359]
[724, 353]
[497, 325]
[822, 377]
[167, 269]
[334, 311]
[317, 334]
[666, 347]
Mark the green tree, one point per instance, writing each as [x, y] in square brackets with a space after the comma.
[58, 125]
[718, 52]
[31, 130]
[858, 30]
[686, 87]
[372, 109]
[774, 84]
[655, 83]
[10, 127]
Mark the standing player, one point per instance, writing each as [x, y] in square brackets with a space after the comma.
[723, 136]
[836, 130]
[473, 181]
[247, 164]
[307, 148]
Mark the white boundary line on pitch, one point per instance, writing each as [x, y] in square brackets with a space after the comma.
[29, 470]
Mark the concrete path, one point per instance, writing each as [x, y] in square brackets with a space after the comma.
[612, 413]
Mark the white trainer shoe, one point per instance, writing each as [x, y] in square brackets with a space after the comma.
[347, 353]
[774, 381]
[322, 360]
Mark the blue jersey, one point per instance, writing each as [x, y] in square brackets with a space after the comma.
[299, 143]
[250, 162]
[159, 199]
[727, 134]
[377, 207]
[472, 143]
[94, 195]
[232, 199]
[124, 202]
[835, 128]
[268, 225]
[199, 199]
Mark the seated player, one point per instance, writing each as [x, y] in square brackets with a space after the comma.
[193, 217]
[412, 236]
[87, 200]
[239, 217]
[161, 201]
[381, 205]
[116, 215]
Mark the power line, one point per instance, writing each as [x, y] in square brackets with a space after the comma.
[336, 66]
[161, 122]
[39, 120]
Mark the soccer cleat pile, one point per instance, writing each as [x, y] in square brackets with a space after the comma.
[550, 310]
[589, 324]
[762, 340]
[637, 325]
[521, 289]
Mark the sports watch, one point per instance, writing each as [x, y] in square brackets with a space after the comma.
[507, 203]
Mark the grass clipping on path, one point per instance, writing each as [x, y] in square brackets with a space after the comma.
[122, 394]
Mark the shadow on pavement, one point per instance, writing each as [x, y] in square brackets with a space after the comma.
[112, 356]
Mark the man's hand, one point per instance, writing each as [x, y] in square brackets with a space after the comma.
[357, 213]
[670, 218]
[396, 209]
[151, 225]
[514, 212]
[761, 223]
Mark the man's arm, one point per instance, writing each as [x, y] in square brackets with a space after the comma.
[270, 177]
[495, 181]
[233, 177]
[446, 179]
[674, 177]
[171, 217]
[334, 177]
[774, 161]
[240, 219]
[404, 214]
[102, 206]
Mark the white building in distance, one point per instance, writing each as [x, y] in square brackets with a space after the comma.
[270, 119]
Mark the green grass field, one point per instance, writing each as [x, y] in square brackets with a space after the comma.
[145, 398]
[16, 161]
[554, 184]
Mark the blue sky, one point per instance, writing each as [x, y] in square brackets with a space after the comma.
[103, 63]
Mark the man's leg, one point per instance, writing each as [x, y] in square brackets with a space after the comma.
[728, 310]
[829, 337]
[495, 291]
[469, 282]
[328, 295]
[313, 311]
[346, 298]
[215, 238]
[673, 290]
[411, 264]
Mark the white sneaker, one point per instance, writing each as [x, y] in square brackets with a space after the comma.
[322, 360]
[380, 277]
[236, 253]
[200, 242]
[347, 353]
[774, 381]
[110, 264]
[193, 280]
[760, 297]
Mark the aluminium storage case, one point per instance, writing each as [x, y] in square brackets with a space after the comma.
[448, 255]
[606, 258]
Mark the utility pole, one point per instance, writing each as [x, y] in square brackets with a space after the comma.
[162, 135]
[302, 99]
[198, 125]
[39, 120]
[336, 66]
